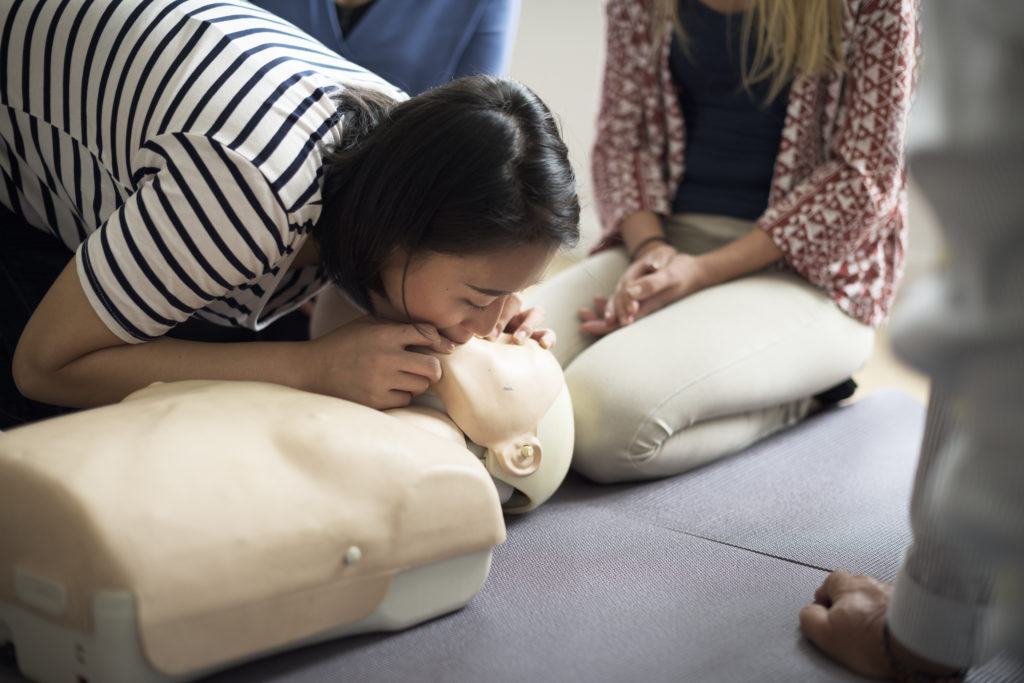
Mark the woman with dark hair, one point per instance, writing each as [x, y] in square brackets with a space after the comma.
[211, 163]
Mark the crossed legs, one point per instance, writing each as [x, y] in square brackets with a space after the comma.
[700, 379]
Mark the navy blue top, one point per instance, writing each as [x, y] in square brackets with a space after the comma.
[414, 44]
[731, 139]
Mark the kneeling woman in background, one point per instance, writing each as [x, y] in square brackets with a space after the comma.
[750, 178]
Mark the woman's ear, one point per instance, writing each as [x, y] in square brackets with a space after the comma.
[389, 299]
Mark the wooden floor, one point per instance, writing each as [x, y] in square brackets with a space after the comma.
[885, 370]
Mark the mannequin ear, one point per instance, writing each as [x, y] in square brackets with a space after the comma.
[519, 457]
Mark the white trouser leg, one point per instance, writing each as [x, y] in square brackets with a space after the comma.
[700, 379]
[563, 296]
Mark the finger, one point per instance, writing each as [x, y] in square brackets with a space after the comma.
[631, 307]
[411, 383]
[546, 338]
[393, 399]
[625, 309]
[513, 307]
[618, 304]
[836, 583]
[600, 305]
[428, 368]
[814, 622]
[525, 323]
[822, 597]
[444, 347]
[600, 326]
[588, 314]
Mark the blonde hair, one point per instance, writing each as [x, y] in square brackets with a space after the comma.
[789, 36]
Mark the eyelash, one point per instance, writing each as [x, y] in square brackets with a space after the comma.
[475, 307]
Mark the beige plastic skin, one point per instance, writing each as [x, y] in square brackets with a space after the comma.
[230, 510]
[506, 397]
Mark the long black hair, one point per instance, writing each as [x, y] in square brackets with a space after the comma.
[473, 166]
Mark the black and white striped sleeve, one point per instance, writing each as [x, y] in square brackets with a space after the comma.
[204, 222]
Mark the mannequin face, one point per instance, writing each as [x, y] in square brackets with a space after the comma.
[462, 296]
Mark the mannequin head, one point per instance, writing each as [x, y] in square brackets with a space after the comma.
[511, 400]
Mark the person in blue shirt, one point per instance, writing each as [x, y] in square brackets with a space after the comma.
[414, 45]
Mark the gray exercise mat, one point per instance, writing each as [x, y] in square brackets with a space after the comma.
[583, 595]
[832, 492]
[694, 578]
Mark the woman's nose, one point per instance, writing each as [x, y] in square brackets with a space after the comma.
[482, 323]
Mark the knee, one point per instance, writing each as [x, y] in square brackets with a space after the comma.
[607, 464]
[614, 442]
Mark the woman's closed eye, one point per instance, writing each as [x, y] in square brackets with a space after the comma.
[478, 307]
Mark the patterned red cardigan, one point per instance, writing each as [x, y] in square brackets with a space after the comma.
[838, 204]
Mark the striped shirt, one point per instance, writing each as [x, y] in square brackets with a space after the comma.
[177, 145]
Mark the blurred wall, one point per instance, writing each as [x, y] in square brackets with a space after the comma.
[559, 54]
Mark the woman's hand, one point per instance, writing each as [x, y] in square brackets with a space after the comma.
[659, 277]
[376, 363]
[522, 323]
[367, 361]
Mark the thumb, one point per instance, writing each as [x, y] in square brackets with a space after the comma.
[814, 623]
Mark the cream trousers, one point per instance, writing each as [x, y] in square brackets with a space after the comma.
[704, 377]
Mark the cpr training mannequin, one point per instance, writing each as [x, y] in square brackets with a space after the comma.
[234, 519]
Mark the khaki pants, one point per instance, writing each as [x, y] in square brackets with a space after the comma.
[704, 377]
